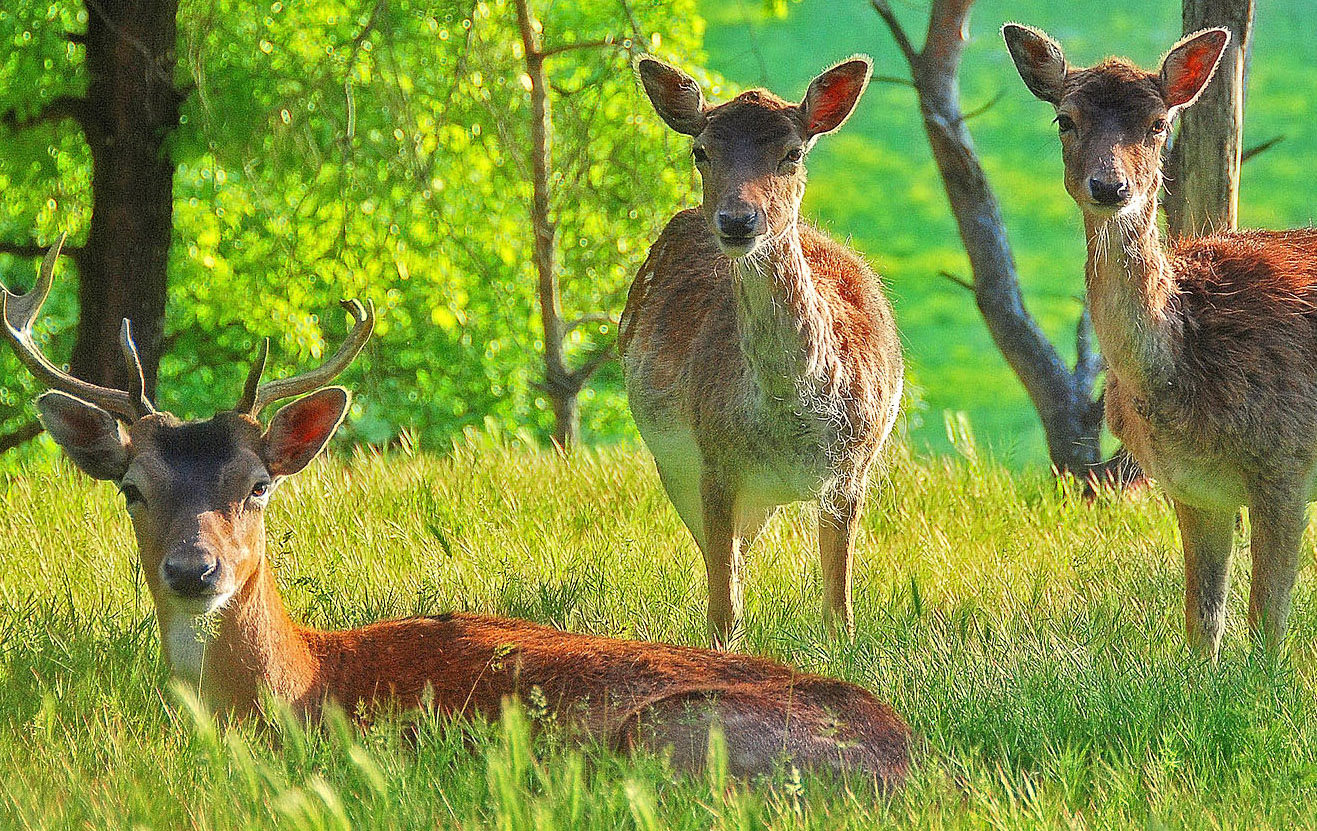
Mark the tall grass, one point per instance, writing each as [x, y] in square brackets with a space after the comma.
[1032, 640]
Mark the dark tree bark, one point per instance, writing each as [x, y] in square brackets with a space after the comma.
[562, 384]
[130, 108]
[1063, 397]
[1202, 193]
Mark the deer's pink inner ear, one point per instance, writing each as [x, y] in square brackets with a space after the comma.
[299, 431]
[1189, 67]
[832, 96]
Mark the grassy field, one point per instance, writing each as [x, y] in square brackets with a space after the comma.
[875, 181]
[1031, 639]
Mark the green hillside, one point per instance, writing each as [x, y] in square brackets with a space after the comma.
[875, 181]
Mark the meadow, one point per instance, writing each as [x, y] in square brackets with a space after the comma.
[1032, 640]
[875, 183]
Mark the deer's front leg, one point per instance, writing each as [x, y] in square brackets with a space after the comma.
[1278, 524]
[1207, 537]
[722, 559]
[838, 519]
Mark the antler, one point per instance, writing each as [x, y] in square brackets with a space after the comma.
[257, 396]
[19, 311]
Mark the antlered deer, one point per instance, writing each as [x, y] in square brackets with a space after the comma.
[761, 358]
[1211, 345]
[197, 492]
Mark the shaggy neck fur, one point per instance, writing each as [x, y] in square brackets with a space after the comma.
[248, 646]
[785, 326]
[1131, 292]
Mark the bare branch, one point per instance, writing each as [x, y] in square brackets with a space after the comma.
[581, 376]
[21, 436]
[65, 106]
[898, 32]
[609, 41]
[892, 79]
[983, 109]
[958, 280]
[33, 250]
[1259, 149]
[586, 320]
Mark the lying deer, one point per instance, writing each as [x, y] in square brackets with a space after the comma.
[762, 362]
[197, 493]
[1211, 345]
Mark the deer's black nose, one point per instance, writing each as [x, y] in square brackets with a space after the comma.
[1109, 193]
[739, 224]
[191, 574]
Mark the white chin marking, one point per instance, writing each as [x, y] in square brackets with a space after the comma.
[190, 622]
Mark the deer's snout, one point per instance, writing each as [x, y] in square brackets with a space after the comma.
[1111, 192]
[192, 572]
[740, 222]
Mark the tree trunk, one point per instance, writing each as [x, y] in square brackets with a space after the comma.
[1071, 419]
[131, 108]
[1203, 167]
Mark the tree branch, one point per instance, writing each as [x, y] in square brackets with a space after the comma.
[958, 280]
[16, 249]
[21, 436]
[585, 44]
[898, 31]
[65, 106]
[1258, 149]
[586, 320]
[581, 376]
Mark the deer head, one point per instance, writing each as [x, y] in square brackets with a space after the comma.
[196, 491]
[1114, 118]
[750, 151]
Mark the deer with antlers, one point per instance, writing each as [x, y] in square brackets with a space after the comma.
[762, 361]
[1211, 344]
[197, 492]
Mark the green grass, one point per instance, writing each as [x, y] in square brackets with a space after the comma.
[875, 181]
[1032, 640]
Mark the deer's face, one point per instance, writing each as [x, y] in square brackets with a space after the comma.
[1114, 118]
[750, 151]
[196, 491]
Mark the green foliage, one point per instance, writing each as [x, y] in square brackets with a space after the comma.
[375, 150]
[1033, 640]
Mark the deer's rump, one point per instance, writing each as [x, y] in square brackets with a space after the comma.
[633, 693]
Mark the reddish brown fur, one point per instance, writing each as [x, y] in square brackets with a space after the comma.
[1211, 345]
[762, 361]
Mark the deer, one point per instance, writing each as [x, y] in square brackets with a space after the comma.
[1210, 342]
[197, 491]
[761, 358]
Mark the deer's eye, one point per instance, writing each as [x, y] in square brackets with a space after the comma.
[1065, 124]
[131, 494]
[794, 155]
[699, 154]
[1159, 127]
[260, 489]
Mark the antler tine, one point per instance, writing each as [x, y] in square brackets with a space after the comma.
[17, 312]
[272, 391]
[136, 380]
[250, 388]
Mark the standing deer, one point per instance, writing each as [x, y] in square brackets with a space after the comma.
[1211, 345]
[762, 361]
[197, 492]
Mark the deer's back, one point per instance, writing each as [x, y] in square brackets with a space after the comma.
[617, 691]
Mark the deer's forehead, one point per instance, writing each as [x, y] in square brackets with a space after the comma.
[1115, 93]
[753, 120]
[198, 452]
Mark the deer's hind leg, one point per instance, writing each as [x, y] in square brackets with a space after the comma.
[1279, 518]
[839, 516]
[1207, 537]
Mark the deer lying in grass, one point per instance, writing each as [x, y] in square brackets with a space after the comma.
[1211, 345]
[197, 492]
[761, 358]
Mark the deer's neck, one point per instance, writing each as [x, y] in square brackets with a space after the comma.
[249, 646]
[785, 326]
[1131, 293]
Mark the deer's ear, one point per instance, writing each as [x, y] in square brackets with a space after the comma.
[832, 96]
[675, 95]
[1038, 59]
[1189, 65]
[90, 436]
[299, 431]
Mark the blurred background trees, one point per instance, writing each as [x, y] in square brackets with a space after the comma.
[379, 149]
